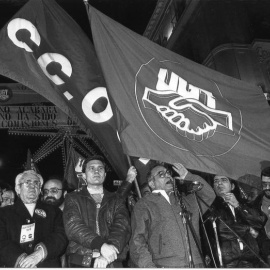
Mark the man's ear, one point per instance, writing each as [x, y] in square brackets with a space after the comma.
[233, 186]
[83, 176]
[17, 189]
[151, 184]
[65, 193]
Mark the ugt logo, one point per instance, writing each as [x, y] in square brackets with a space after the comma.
[196, 119]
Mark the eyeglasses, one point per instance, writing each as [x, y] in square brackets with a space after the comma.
[163, 174]
[27, 183]
[94, 169]
[266, 185]
[53, 191]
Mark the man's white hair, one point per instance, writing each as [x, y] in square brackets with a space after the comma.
[26, 174]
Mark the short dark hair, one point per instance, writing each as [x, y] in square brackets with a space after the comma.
[96, 157]
[237, 190]
[5, 186]
[265, 172]
[154, 165]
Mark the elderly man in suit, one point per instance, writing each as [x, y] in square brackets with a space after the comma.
[31, 232]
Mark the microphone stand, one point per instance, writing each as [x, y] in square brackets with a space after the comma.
[218, 244]
[240, 238]
[186, 218]
[214, 224]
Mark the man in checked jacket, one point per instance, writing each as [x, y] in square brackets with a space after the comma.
[158, 232]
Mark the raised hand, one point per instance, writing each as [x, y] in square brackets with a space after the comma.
[180, 169]
[131, 174]
[230, 199]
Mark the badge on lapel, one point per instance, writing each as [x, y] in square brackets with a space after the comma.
[40, 212]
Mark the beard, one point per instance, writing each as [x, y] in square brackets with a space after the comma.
[267, 193]
[56, 202]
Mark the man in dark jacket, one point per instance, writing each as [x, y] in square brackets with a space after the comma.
[31, 233]
[262, 203]
[96, 221]
[245, 221]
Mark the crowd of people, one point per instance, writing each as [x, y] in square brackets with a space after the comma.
[177, 221]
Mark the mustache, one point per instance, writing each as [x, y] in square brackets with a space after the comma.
[50, 198]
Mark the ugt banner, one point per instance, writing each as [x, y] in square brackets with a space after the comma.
[43, 48]
[178, 110]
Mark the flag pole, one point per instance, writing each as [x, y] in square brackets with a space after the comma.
[128, 157]
[135, 180]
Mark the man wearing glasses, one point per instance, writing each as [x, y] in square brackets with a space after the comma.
[31, 232]
[54, 193]
[158, 231]
[96, 220]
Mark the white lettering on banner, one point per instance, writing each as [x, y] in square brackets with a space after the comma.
[185, 90]
[88, 103]
[45, 59]
[19, 24]
[182, 97]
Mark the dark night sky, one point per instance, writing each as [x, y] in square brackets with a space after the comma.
[133, 14]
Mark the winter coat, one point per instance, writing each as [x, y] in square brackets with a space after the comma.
[245, 217]
[158, 234]
[80, 215]
[49, 232]
[262, 239]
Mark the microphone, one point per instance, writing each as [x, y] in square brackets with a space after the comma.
[211, 217]
[188, 185]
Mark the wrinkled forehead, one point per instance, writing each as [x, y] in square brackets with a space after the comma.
[157, 169]
[265, 179]
[55, 183]
[29, 176]
[219, 177]
[95, 162]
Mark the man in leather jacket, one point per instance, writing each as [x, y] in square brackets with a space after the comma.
[96, 221]
[240, 217]
[262, 203]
